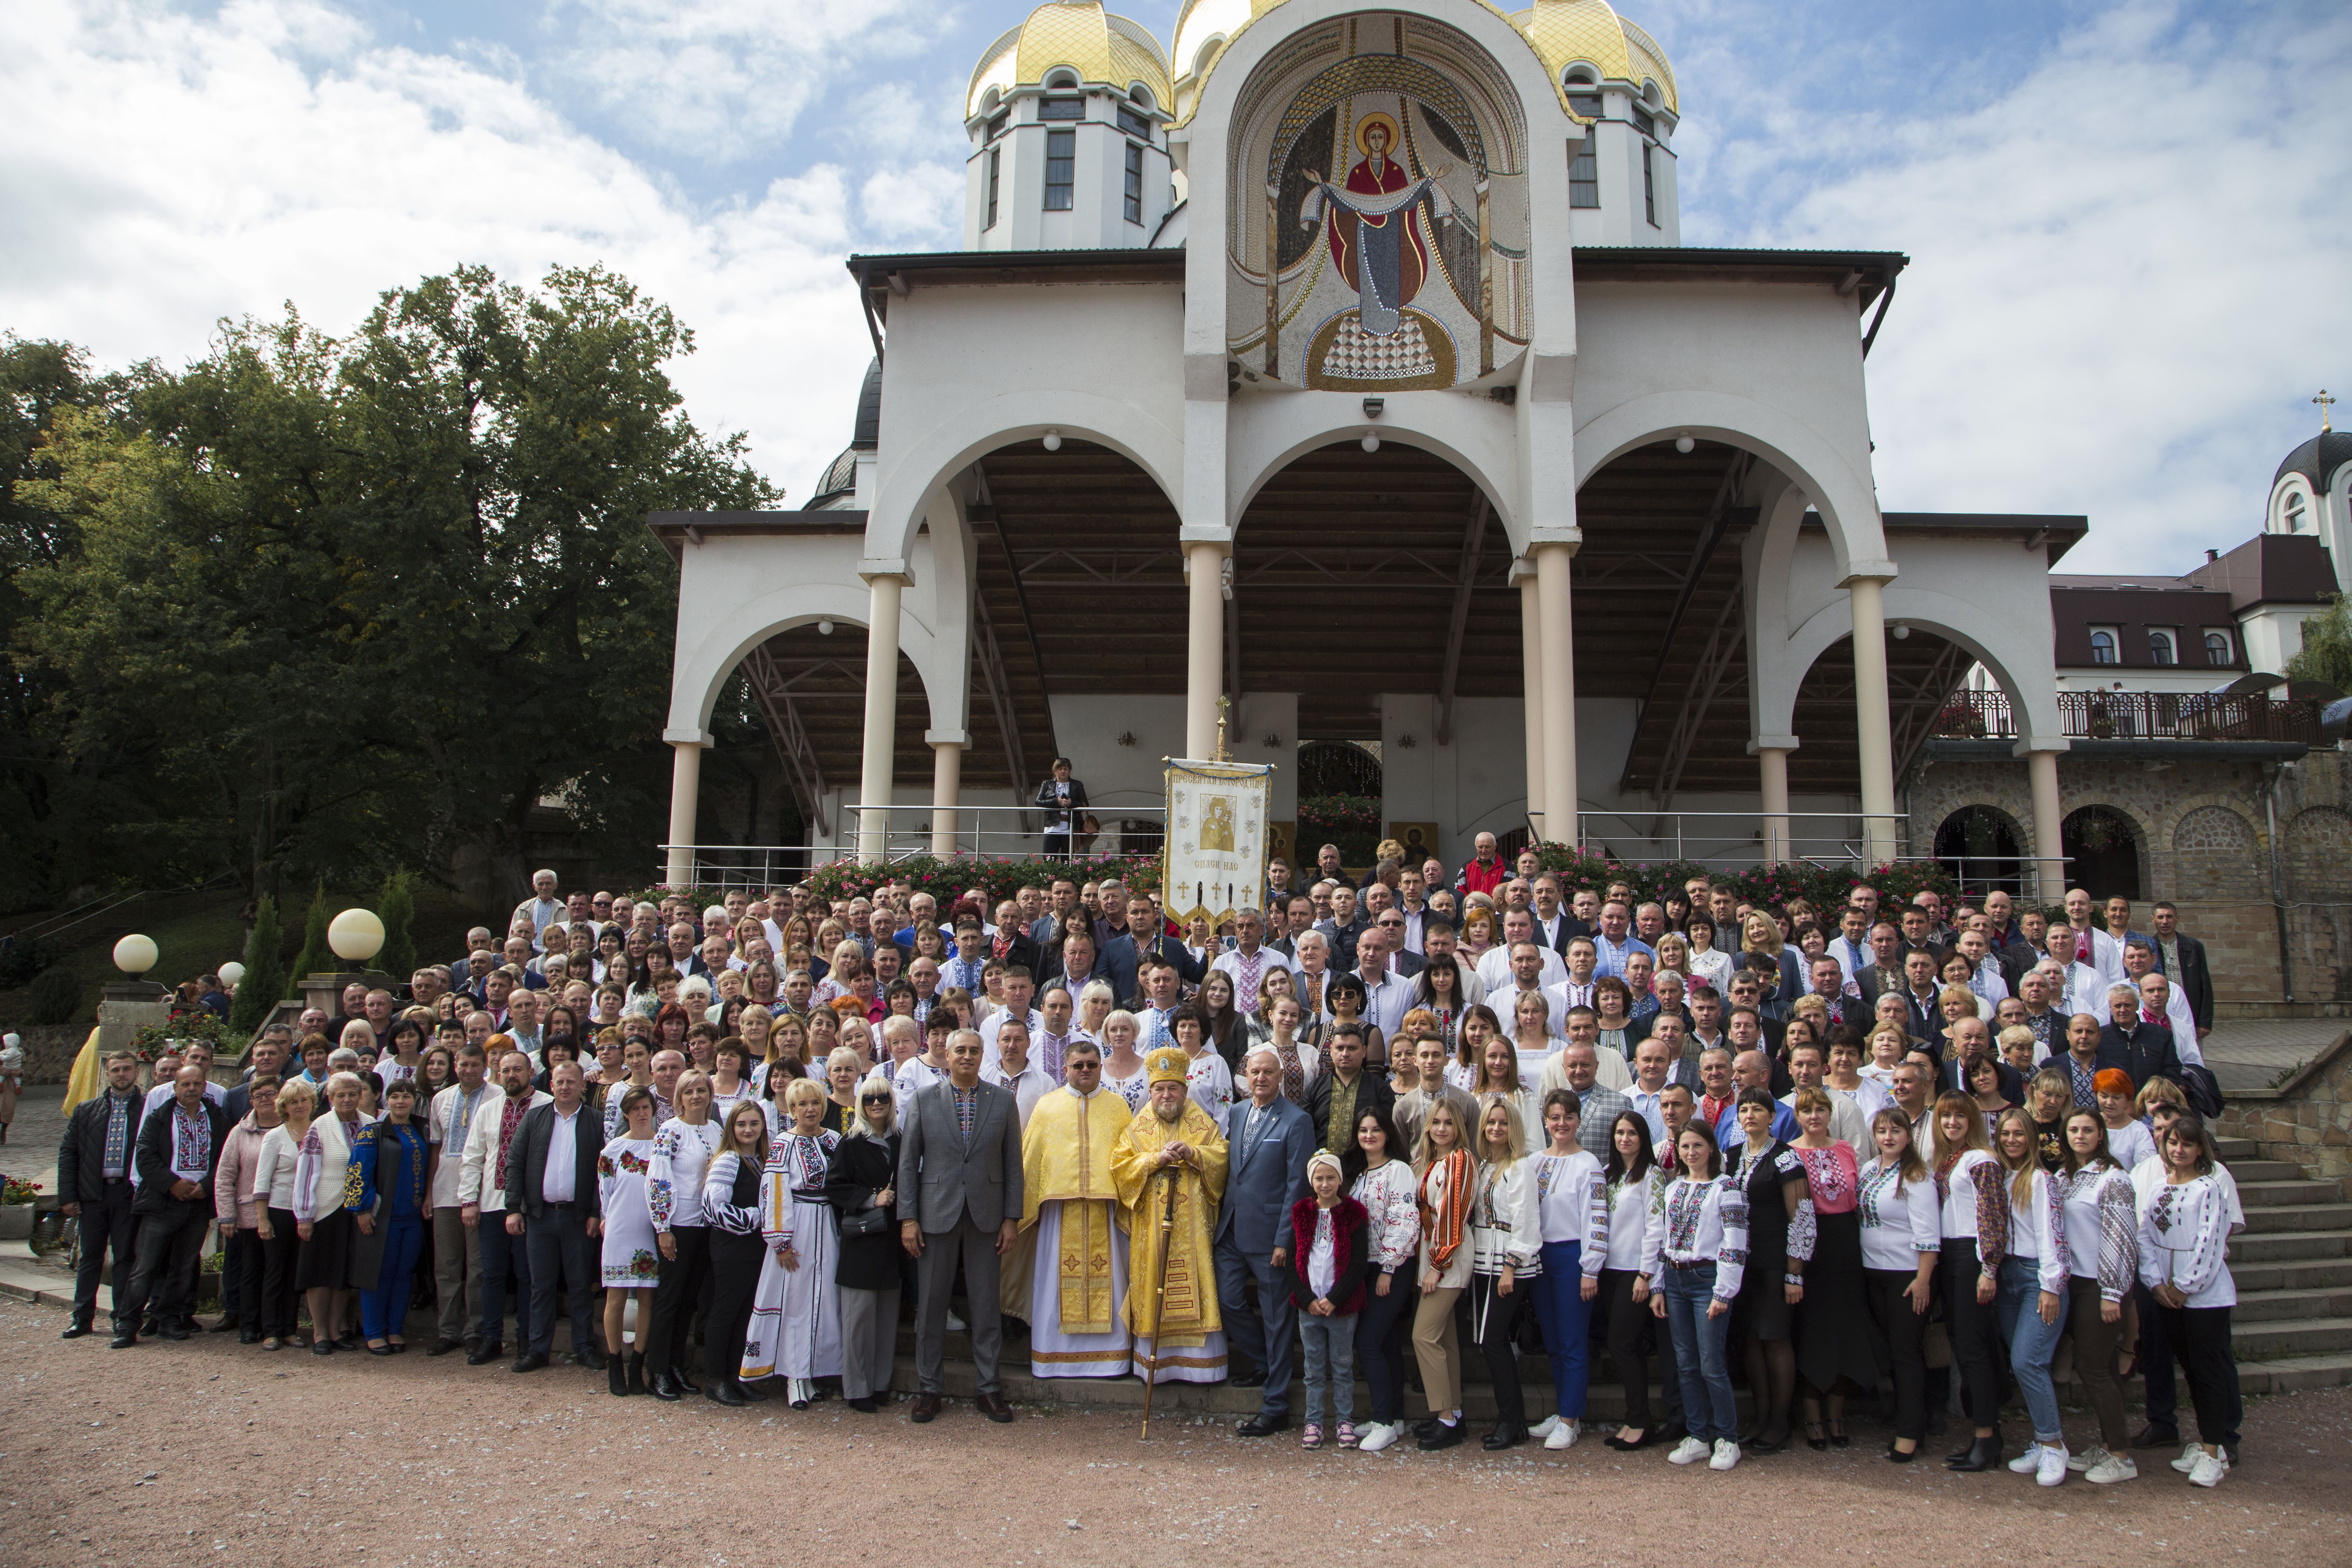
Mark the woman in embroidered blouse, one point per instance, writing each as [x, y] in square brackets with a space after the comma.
[731, 1204]
[1634, 1189]
[2032, 1304]
[1257, 1029]
[1506, 1256]
[273, 1190]
[1902, 1239]
[1612, 1002]
[631, 1265]
[1572, 1217]
[795, 1328]
[1437, 990]
[1707, 964]
[1379, 1177]
[2184, 1235]
[1498, 1079]
[1468, 1048]
[1695, 1260]
[1837, 1354]
[1779, 1242]
[1975, 1225]
[682, 1150]
[1123, 1068]
[326, 1196]
[2102, 1229]
[1449, 1182]
[2128, 1139]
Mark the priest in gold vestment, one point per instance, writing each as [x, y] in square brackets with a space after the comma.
[1173, 1142]
[1078, 1287]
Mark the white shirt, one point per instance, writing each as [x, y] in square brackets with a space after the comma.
[1647, 1104]
[1230, 965]
[1494, 969]
[1322, 1272]
[995, 1026]
[1848, 1125]
[1869, 1096]
[1896, 1230]
[1029, 1086]
[448, 1121]
[560, 1181]
[914, 1074]
[1386, 1004]
[1562, 996]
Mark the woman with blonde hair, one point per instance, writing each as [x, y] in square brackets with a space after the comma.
[1498, 1079]
[860, 1179]
[1449, 1187]
[273, 1189]
[2032, 1304]
[1902, 1241]
[1674, 957]
[1506, 1252]
[324, 1202]
[794, 1331]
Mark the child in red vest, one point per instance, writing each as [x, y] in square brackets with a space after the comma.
[1329, 1267]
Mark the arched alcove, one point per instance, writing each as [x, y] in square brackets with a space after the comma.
[2104, 854]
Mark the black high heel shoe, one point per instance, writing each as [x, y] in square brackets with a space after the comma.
[1813, 1439]
[1984, 1454]
[1838, 1439]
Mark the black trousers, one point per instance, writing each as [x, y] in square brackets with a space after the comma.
[1630, 1330]
[106, 1224]
[734, 1279]
[1495, 1319]
[563, 1257]
[1975, 1333]
[2200, 1336]
[278, 1299]
[676, 1299]
[164, 1265]
[1380, 1341]
[1905, 1331]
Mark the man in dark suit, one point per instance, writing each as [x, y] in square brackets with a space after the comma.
[268, 1059]
[179, 1148]
[1346, 924]
[1124, 954]
[1271, 1141]
[1074, 962]
[2130, 1042]
[94, 1162]
[551, 1181]
[1883, 973]
[1347, 1085]
[1011, 942]
[1972, 1038]
[960, 1196]
[2181, 959]
[1061, 798]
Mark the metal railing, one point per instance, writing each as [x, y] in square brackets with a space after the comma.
[1737, 840]
[1006, 832]
[2137, 716]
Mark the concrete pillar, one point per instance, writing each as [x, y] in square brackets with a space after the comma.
[1204, 648]
[2049, 820]
[685, 787]
[874, 780]
[1531, 681]
[1772, 784]
[1559, 660]
[1868, 597]
[946, 780]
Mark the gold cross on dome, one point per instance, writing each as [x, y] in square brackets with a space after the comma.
[2326, 403]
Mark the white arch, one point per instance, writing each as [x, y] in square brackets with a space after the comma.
[917, 467]
[1268, 434]
[1986, 635]
[1843, 496]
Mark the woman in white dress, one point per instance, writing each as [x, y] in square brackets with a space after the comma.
[1123, 1069]
[795, 1331]
[632, 1267]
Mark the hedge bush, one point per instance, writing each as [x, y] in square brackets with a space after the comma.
[55, 995]
[1822, 885]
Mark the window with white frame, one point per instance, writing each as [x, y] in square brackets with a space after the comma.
[2163, 646]
[2220, 648]
[2104, 644]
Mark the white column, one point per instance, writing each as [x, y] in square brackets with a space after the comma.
[1531, 681]
[1559, 660]
[874, 780]
[1204, 648]
[946, 780]
[1868, 597]
[1772, 784]
[685, 786]
[2049, 821]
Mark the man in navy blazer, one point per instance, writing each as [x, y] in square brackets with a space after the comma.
[1270, 1140]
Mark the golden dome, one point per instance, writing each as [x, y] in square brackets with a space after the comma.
[1105, 50]
[1566, 31]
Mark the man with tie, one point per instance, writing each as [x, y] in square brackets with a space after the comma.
[1272, 1139]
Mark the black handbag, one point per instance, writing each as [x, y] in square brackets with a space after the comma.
[865, 1222]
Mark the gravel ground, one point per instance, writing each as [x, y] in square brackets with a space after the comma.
[156, 1455]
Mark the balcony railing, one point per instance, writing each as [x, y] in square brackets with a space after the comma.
[2137, 716]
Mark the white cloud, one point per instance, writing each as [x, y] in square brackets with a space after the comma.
[2127, 274]
[164, 171]
[924, 202]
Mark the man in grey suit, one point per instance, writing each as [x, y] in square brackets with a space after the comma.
[960, 1196]
[1271, 1139]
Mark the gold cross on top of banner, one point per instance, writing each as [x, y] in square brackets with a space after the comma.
[1224, 703]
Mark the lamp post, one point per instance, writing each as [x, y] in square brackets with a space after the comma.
[231, 973]
[135, 955]
[131, 1004]
[356, 935]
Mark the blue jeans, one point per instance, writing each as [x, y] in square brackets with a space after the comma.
[2031, 1342]
[1566, 1319]
[1709, 1409]
[384, 1309]
[1330, 1348]
[1261, 1335]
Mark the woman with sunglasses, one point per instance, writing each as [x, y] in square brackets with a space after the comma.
[862, 1178]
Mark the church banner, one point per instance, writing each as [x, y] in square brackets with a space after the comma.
[1214, 860]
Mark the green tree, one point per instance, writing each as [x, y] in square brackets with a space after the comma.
[265, 971]
[395, 906]
[316, 956]
[2326, 652]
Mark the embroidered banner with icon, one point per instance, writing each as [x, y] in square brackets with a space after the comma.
[1215, 862]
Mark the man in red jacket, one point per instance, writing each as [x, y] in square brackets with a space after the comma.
[1484, 873]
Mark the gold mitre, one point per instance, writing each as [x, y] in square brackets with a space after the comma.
[1169, 1063]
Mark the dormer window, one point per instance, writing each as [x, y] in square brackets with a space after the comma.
[1587, 105]
[2294, 512]
[2104, 644]
[1134, 124]
[2163, 646]
[2218, 651]
[1061, 109]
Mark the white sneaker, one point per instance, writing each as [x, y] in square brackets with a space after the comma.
[956, 1325]
[2190, 1454]
[1375, 1436]
[1545, 1428]
[1562, 1436]
[1689, 1451]
[2082, 1461]
[2026, 1463]
[1727, 1454]
[2052, 1469]
[2210, 1468]
[2110, 1470]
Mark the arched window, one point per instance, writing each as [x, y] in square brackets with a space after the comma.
[2102, 644]
[2291, 516]
[2217, 647]
[2161, 647]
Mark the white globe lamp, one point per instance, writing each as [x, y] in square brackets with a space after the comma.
[231, 972]
[135, 955]
[356, 935]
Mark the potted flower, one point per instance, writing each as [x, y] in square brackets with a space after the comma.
[16, 1200]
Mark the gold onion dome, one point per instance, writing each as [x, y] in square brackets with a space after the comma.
[1565, 32]
[1103, 49]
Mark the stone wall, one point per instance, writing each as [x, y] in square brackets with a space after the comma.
[2307, 1120]
[51, 1049]
[2204, 843]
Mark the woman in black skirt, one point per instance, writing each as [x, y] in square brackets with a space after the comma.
[1779, 1242]
[730, 1205]
[1837, 1352]
[1902, 1233]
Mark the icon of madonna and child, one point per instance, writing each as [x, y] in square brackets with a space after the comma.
[1374, 224]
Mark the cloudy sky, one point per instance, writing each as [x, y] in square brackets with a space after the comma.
[2128, 220]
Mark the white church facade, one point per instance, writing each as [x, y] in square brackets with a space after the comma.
[1344, 363]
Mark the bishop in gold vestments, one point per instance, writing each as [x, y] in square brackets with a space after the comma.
[1078, 1286]
[1186, 1342]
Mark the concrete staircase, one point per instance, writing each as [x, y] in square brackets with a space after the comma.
[2291, 1328]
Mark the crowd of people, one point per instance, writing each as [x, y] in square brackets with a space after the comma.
[1859, 1153]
